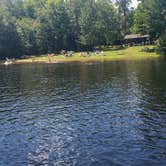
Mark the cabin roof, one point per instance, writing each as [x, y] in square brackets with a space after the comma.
[145, 36]
[135, 36]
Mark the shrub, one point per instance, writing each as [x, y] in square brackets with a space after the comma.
[161, 44]
[147, 49]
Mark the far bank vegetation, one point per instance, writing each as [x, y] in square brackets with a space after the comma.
[37, 27]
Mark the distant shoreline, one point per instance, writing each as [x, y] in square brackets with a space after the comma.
[131, 53]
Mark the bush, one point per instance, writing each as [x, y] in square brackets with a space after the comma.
[161, 44]
[147, 49]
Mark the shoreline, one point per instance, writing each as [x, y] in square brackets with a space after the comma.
[127, 54]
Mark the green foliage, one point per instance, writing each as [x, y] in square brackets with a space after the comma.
[161, 44]
[98, 23]
[45, 26]
[9, 40]
[55, 31]
[150, 18]
[125, 14]
[26, 28]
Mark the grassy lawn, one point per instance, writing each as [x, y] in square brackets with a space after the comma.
[131, 53]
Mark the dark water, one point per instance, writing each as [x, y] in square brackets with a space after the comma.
[91, 114]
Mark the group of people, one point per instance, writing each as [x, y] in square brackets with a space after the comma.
[67, 53]
[71, 53]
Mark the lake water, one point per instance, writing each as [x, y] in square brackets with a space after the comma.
[99, 114]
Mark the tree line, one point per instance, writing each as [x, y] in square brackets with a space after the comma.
[150, 18]
[31, 27]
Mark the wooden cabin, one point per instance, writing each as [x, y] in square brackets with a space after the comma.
[137, 39]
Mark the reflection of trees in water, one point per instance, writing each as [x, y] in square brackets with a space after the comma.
[152, 107]
[90, 75]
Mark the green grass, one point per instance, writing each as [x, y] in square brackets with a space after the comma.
[131, 53]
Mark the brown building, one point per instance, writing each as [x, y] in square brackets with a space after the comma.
[137, 39]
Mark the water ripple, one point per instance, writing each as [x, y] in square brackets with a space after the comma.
[115, 114]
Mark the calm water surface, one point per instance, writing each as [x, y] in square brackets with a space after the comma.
[83, 115]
